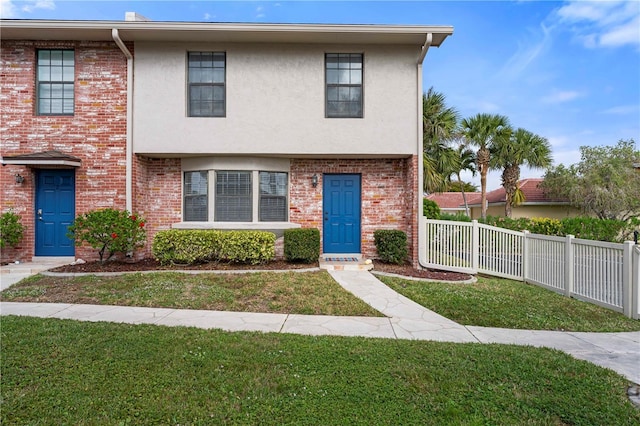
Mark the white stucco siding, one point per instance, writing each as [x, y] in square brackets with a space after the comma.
[275, 102]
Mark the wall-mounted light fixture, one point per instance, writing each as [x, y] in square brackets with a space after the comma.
[314, 180]
[19, 178]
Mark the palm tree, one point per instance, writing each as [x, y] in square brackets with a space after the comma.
[466, 160]
[481, 131]
[439, 124]
[522, 148]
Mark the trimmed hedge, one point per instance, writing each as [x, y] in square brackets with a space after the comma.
[302, 245]
[188, 246]
[588, 228]
[391, 245]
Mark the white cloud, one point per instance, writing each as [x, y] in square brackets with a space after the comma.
[260, 12]
[7, 9]
[32, 5]
[12, 9]
[603, 23]
[622, 110]
[527, 52]
[206, 17]
[560, 96]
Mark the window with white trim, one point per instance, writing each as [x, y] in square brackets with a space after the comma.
[235, 196]
[233, 201]
[273, 197]
[206, 84]
[196, 196]
[344, 85]
[55, 82]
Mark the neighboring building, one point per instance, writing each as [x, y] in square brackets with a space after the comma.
[452, 202]
[225, 126]
[536, 204]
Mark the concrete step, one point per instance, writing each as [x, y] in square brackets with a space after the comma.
[345, 262]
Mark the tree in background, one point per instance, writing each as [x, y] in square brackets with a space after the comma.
[481, 131]
[466, 161]
[439, 125]
[508, 154]
[605, 183]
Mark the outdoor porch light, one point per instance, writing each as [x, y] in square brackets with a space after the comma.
[19, 178]
[314, 180]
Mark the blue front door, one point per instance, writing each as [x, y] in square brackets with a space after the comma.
[55, 211]
[341, 213]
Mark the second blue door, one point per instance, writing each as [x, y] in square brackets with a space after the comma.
[341, 213]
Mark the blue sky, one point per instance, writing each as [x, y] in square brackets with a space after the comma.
[566, 70]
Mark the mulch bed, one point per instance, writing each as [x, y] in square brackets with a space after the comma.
[153, 265]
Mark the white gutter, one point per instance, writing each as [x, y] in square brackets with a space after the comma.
[422, 255]
[129, 144]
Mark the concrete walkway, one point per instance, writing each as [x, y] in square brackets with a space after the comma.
[405, 320]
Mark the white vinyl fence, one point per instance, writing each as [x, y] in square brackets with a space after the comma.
[598, 272]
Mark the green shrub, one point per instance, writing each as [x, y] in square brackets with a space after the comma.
[302, 245]
[109, 231]
[11, 229]
[591, 228]
[391, 245]
[430, 209]
[186, 246]
[458, 217]
[545, 226]
[253, 247]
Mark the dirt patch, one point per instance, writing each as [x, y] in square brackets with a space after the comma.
[153, 265]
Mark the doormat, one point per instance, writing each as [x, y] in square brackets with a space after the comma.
[340, 259]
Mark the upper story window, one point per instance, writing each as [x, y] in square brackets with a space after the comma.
[206, 91]
[344, 85]
[54, 79]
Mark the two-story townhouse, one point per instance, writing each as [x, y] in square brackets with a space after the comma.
[222, 126]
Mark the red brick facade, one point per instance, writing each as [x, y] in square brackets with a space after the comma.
[96, 133]
[387, 196]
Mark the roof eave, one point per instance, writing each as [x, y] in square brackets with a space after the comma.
[225, 32]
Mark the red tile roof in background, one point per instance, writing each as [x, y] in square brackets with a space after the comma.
[532, 192]
[453, 200]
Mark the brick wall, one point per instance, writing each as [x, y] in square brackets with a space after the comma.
[96, 133]
[388, 195]
[158, 195]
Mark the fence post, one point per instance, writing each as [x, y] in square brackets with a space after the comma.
[635, 283]
[568, 266]
[525, 255]
[475, 245]
[627, 275]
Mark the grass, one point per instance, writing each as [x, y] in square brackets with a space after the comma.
[289, 292]
[68, 372]
[493, 302]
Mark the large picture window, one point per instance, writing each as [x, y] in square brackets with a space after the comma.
[344, 84]
[273, 197]
[206, 84]
[195, 196]
[233, 196]
[55, 82]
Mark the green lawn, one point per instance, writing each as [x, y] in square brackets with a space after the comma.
[308, 293]
[494, 302]
[68, 372]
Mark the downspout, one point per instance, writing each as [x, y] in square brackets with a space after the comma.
[422, 254]
[129, 144]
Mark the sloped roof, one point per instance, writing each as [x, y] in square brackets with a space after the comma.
[48, 158]
[453, 200]
[532, 192]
